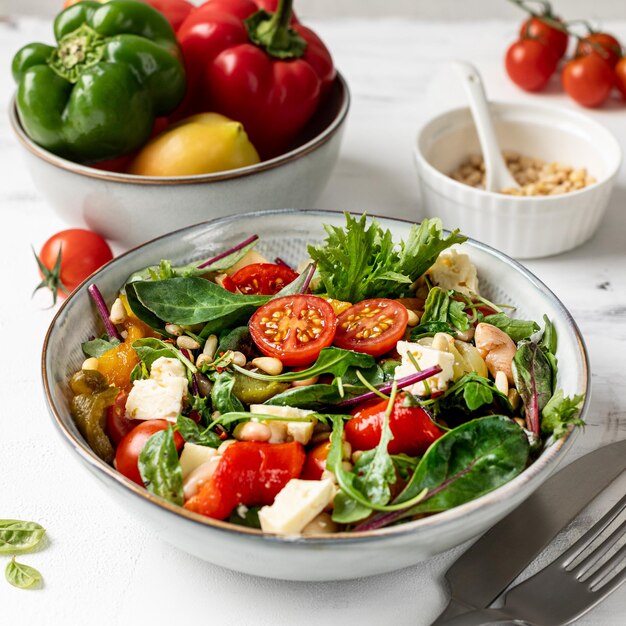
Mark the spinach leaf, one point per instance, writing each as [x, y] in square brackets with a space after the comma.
[560, 412]
[149, 349]
[190, 431]
[98, 346]
[159, 467]
[440, 307]
[246, 516]
[532, 373]
[21, 576]
[222, 396]
[314, 397]
[516, 329]
[466, 463]
[17, 535]
[237, 339]
[141, 312]
[331, 360]
[430, 329]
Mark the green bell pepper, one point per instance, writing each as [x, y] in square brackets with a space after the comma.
[95, 96]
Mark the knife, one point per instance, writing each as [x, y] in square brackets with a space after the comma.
[486, 569]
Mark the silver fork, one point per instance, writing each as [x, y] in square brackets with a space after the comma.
[567, 588]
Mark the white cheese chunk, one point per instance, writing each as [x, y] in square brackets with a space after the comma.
[425, 357]
[279, 411]
[454, 270]
[297, 504]
[193, 456]
[166, 367]
[284, 430]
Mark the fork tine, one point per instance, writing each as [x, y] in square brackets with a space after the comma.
[570, 554]
[591, 559]
[607, 567]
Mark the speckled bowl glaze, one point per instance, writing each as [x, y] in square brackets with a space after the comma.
[129, 209]
[325, 557]
[523, 227]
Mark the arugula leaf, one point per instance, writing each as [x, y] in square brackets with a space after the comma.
[159, 467]
[21, 576]
[98, 346]
[190, 431]
[560, 412]
[222, 396]
[17, 535]
[516, 329]
[331, 360]
[139, 372]
[440, 307]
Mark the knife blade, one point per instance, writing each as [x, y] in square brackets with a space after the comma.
[528, 530]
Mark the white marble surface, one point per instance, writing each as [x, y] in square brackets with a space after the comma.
[101, 566]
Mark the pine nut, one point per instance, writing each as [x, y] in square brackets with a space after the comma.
[346, 450]
[118, 312]
[187, 343]
[268, 364]
[252, 431]
[306, 382]
[413, 318]
[173, 329]
[356, 455]
[441, 342]
[203, 359]
[210, 346]
[239, 358]
[90, 364]
[502, 382]
[346, 466]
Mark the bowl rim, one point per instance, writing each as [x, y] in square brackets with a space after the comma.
[548, 459]
[133, 179]
[523, 201]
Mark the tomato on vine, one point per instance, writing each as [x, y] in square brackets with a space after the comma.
[530, 64]
[603, 45]
[548, 30]
[588, 80]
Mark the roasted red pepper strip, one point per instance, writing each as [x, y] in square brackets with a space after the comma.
[269, 74]
[248, 473]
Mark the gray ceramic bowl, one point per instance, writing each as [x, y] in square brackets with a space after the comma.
[130, 210]
[340, 556]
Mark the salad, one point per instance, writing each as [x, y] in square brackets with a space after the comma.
[372, 387]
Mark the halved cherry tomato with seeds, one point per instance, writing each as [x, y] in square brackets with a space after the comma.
[372, 326]
[294, 328]
[265, 279]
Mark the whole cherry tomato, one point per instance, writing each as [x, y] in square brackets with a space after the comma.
[248, 473]
[620, 76]
[68, 257]
[263, 278]
[129, 448]
[588, 80]
[530, 64]
[545, 29]
[117, 424]
[607, 47]
[372, 326]
[315, 462]
[412, 427]
[294, 328]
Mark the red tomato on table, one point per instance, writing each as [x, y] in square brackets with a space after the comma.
[544, 28]
[412, 428]
[530, 64]
[372, 326]
[603, 45]
[294, 328]
[263, 278]
[588, 80]
[248, 473]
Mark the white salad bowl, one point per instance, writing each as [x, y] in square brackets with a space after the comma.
[521, 226]
[129, 209]
[286, 233]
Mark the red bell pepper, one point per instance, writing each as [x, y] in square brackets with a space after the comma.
[248, 473]
[262, 69]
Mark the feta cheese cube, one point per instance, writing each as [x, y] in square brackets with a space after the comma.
[166, 367]
[426, 357]
[297, 504]
[151, 399]
[455, 271]
[284, 430]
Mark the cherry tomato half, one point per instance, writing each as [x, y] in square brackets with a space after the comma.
[81, 253]
[539, 27]
[294, 328]
[117, 424]
[263, 278]
[530, 64]
[603, 45]
[588, 80]
[129, 448]
[372, 326]
[412, 428]
[315, 462]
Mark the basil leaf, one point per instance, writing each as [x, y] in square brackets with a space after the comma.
[430, 329]
[516, 329]
[97, 347]
[440, 307]
[17, 535]
[159, 467]
[468, 462]
[222, 396]
[560, 412]
[21, 576]
[532, 373]
[190, 431]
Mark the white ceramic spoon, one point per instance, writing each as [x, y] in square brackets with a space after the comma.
[497, 175]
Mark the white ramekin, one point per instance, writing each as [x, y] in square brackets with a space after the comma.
[520, 226]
